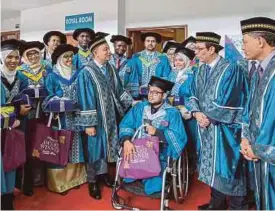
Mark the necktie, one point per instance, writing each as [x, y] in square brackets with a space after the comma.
[252, 69]
[207, 69]
[260, 71]
[118, 63]
[104, 70]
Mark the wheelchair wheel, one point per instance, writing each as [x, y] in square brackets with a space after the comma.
[180, 178]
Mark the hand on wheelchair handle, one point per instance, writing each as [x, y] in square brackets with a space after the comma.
[129, 150]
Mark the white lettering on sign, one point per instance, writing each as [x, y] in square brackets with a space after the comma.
[85, 19]
[71, 21]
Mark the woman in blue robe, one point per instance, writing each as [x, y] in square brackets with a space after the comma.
[12, 82]
[35, 71]
[182, 75]
[165, 122]
[62, 83]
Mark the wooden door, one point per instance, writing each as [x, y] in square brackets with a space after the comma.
[10, 35]
[177, 33]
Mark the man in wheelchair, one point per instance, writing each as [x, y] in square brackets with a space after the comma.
[161, 120]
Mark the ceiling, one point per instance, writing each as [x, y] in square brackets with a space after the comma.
[12, 8]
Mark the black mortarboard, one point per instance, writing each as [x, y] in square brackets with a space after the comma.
[115, 38]
[187, 52]
[77, 32]
[98, 40]
[62, 48]
[209, 37]
[169, 45]
[190, 39]
[59, 34]
[258, 24]
[31, 44]
[10, 45]
[151, 34]
[161, 83]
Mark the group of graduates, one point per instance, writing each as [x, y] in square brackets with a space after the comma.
[188, 96]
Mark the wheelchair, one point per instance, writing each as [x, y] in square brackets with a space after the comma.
[175, 182]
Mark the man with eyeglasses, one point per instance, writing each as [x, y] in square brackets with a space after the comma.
[118, 59]
[83, 36]
[216, 102]
[162, 120]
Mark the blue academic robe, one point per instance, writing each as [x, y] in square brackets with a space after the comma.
[259, 129]
[182, 89]
[221, 98]
[35, 79]
[143, 67]
[58, 86]
[168, 120]
[123, 70]
[103, 102]
[8, 178]
[82, 58]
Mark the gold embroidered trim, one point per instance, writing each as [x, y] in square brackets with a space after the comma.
[263, 26]
[208, 39]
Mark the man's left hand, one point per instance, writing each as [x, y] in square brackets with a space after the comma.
[249, 154]
[151, 130]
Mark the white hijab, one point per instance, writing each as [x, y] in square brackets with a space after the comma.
[9, 75]
[187, 62]
[65, 71]
[35, 67]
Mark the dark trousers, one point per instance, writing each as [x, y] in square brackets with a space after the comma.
[218, 201]
[90, 167]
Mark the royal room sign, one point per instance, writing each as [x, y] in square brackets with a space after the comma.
[73, 22]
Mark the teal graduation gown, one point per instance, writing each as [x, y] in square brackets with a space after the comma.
[168, 120]
[8, 178]
[103, 102]
[221, 98]
[259, 129]
[143, 67]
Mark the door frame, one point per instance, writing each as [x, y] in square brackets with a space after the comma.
[136, 29]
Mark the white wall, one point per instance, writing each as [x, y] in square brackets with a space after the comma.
[9, 24]
[221, 16]
[36, 22]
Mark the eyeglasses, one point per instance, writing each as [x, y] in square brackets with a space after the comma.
[155, 93]
[30, 54]
[67, 56]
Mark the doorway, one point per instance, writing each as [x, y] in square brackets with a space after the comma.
[177, 33]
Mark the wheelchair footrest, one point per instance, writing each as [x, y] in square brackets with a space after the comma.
[138, 188]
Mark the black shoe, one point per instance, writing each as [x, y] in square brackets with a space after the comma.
[210, 207]
[27, 192]
[107, 180]
[77, 187]
[94, 191]
[203, 207]
[7, 202]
